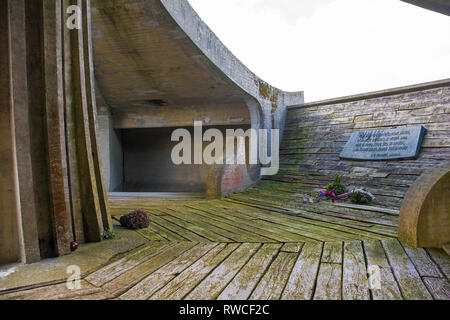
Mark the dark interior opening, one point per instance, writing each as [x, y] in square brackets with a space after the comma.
[147, 165]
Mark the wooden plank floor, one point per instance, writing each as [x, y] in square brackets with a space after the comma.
[236, 271]
[270, 212]
[262, 244]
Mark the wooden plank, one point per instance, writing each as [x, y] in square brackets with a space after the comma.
[329, 282]
[324, 217]
[270, 225]
[329, 277]
[323, 228]
[354, 279]
[127, 280]
[292, 247]
[239, 234]
[314, 230]
[226, 208]
[242, 221]
[283, 234]
[272, 284]
[312, 178]
[94, 296]
[218, 233]
[161, 277]
[245, 281]
[211, 226]
[162, 232]
[442, 259]
[198, 229]
[446, 248]
[408, 278]
[351, 211]
[332, 252]
[423, 263]
[368, 208]
[115, 269]
[439, 288]
[259, 227]
[151, 234]
[326, 209]
[214, 283]
[332, 224]
[310, 231]
[188, 235]
[300, 285]
[389, 289]
[231, 231]
[226, 213]
[52, 292]
[179, 287]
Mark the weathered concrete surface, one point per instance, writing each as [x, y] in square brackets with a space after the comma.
[51, 185]
[152, 52]
[441, 6]
[316, 133]
[158, 64]
[148, 166]
[10, 246]
[88, 257]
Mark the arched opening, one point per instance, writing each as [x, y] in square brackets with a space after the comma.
[137, 146]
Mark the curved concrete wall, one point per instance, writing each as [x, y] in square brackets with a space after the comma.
[151, 50]
[316, 132]
[270, 98]
[424, 216]
[157, 64]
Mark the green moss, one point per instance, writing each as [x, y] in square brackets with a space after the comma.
[267, 92]
[336, 185]
[109, 234]
[302, 135]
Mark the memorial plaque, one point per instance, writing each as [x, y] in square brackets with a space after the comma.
[400, 143]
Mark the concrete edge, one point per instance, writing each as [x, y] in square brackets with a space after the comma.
[439, 6]
[89, 257]
[213, 48]
[375, 94]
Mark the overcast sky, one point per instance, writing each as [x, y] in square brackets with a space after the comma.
[332, 48]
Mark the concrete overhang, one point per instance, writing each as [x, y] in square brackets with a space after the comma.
[441, 6]
[158, 64]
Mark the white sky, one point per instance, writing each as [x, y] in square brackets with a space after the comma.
[333, 48]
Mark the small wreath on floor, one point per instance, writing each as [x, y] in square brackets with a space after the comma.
[335, 190]
[137, 219]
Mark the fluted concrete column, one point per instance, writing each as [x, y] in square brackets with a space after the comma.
[51, 185]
